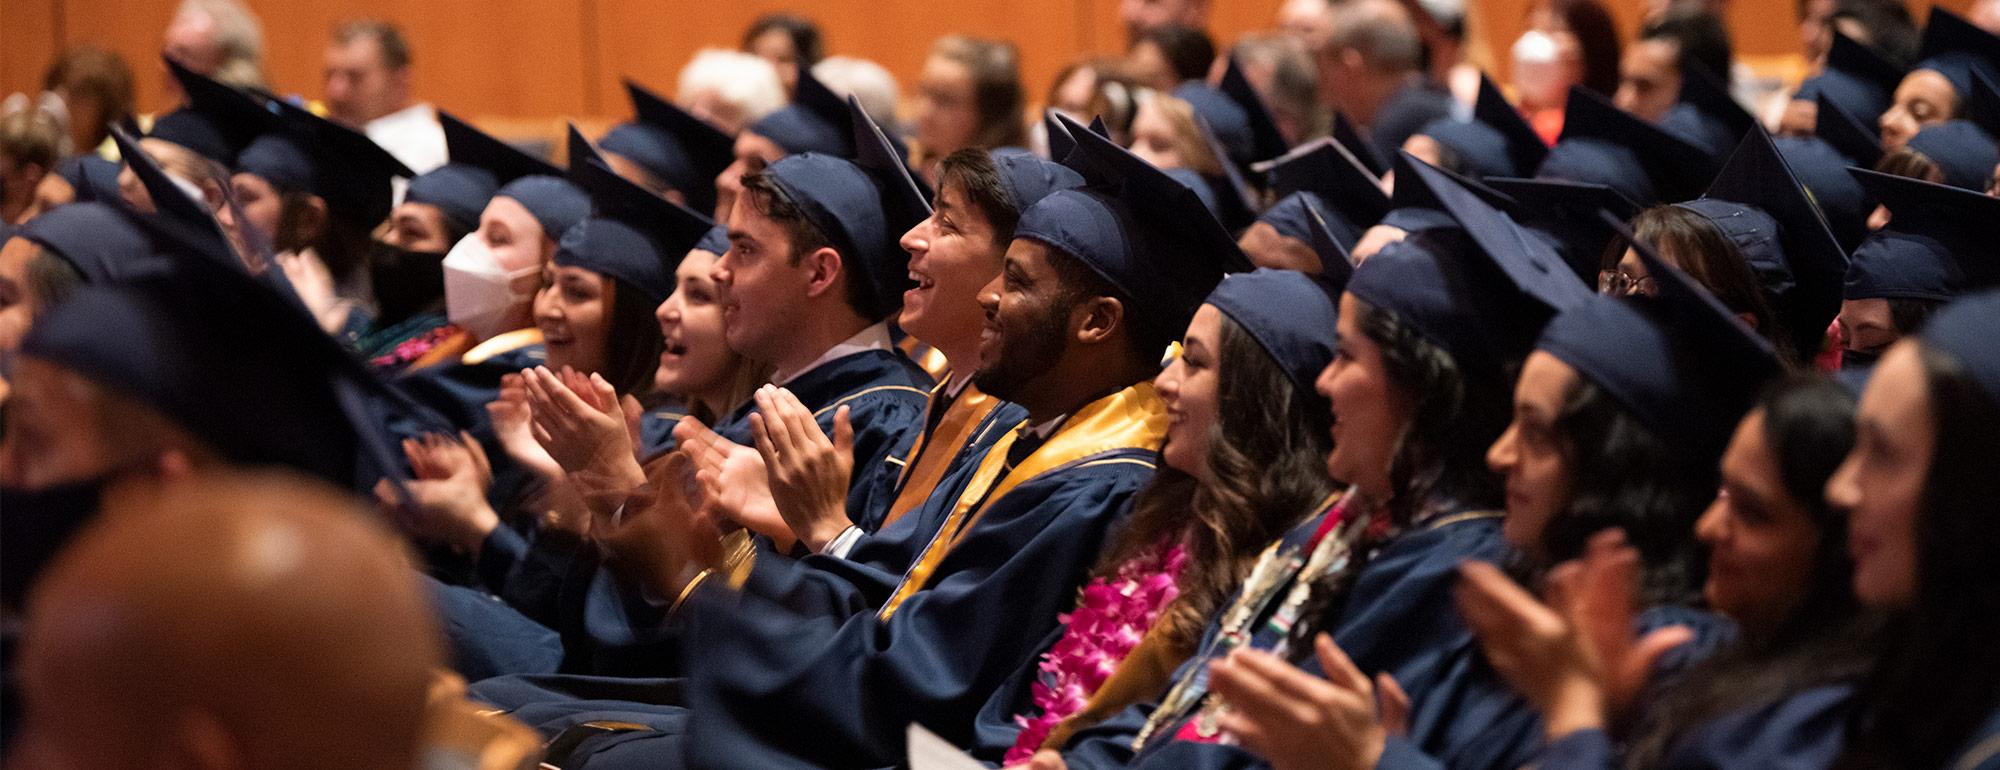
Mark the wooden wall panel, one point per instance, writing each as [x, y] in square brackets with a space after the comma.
[541, 59]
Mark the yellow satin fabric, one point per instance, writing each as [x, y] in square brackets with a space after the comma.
[1131, 418]
[931, 455]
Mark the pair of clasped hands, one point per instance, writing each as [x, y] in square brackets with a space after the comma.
[578, 435]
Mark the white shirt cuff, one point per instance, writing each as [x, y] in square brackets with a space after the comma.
[842, 543]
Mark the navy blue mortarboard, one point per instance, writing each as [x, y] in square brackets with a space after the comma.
[682, 151]
[1350, 137]
[1336, 262]
[228, 358]
[1288, 313]
[1060, 142]
[217, 122]
[93, 177]
[1265, 138]
[1938, 242]
[1706, 114]
[1348, 194]
[98, 239]
[815, 121]
[862, 207]
[1497, 142]
[1565, 214]
[538, 185]
[1964, 148]
[1028, 178]
[1199, 185]
[1480, 291]
[1964, 331]
[1293, 217]
[460, 191]
[1605, 145]
[1857, 78]
[1962, 151]
[176, 212]
[1846, 134]
[1680, 363]
[1139, 229]
[1417, 208]
[1757, 203]
[1822, 170]
[632, 235]
[1229, 194]
[342, 166]
[1957, 49]
[715, 241]
[906, 199]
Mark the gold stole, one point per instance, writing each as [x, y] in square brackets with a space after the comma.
[1132, 418]
[932, 453]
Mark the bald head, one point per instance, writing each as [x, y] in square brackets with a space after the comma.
[228, 623]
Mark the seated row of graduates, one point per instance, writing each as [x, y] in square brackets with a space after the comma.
[1332, 495]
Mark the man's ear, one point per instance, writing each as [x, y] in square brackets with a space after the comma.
[824, 269]
[1098, 319]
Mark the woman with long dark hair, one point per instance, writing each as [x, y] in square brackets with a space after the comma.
[1919, 490]
[1243, 462]
[1429, 331]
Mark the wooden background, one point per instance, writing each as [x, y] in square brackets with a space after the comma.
[534, 59]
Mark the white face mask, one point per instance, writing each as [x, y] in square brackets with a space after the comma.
[478, 293]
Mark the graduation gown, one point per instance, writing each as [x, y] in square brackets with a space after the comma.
[806, 664]
[609, 628]
[1474, 720]
[956, 430]
[1804, 731]
[1398, 617]
[813, 667]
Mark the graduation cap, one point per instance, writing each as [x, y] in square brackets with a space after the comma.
[1350, 137]
[176, 215]
[537, 184]
[1496, 142]
[1964, 148]
[1822, 170]
[1028, 178]
[1760, 205]
[217, 122]
[1265, 138]
[460, 191]
[882, 154]
[1348, 194]
[1938, 243]
[815, 121]
[92, 176]
[1846, 134]
[1133, 225]
[1680, 363]
[342, 166]
[1706, 114]
[1294, 217]
[1531, 264]
[862, 208]
[632, 235]
[681, 150]
[1565, 214]
[97, 239]
[1416, 207]
[1289, 314]
[715, 241]
[1855, 77]
[1964, 331]
[229, 358]
[1957, 49]
[1482, 300]
[1229, 193]
[1605, 145]
[1336, 262]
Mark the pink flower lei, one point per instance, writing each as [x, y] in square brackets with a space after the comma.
[1112, 614]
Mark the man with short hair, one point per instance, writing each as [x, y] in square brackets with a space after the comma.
[1373, 69]
[368, 89]
[217, 38]
[257, 622]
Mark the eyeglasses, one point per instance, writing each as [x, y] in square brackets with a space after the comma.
[1614, 283]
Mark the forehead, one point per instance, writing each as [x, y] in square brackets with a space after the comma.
[695, 265]
[1896, 392]
[1028, 255]
[504, 210]
[1545, 381]
[1928, 85]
